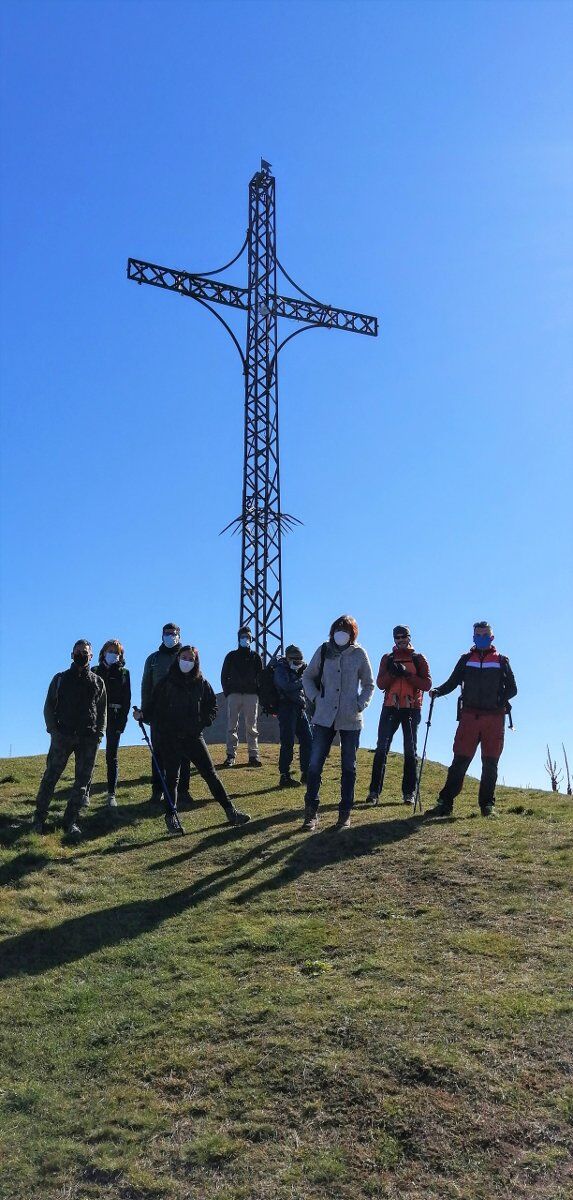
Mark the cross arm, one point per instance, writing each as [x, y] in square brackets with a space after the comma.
[199, 287]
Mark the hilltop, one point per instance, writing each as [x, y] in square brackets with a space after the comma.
[261, 1014]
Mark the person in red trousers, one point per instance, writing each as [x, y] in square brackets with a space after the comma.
[487, 684]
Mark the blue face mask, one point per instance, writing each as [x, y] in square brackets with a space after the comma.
[482, 641]
[170, 640]
[244, 643]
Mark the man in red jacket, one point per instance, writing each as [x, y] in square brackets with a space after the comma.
[487, 684]
[403, 677]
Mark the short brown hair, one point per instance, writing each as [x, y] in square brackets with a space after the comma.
[114, 645]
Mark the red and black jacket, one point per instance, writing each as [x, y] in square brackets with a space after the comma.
[486, 680]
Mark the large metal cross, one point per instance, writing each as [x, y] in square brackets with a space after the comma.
[261, 520]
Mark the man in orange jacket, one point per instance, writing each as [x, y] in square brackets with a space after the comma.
[403, 676]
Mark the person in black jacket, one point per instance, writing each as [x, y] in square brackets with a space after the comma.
[241, 675]
[183, 705]
[487, 684]
[155, 668]
[112, 669]
[292, 715]
[75, 713]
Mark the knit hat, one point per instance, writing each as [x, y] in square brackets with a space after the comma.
[295, 653]
[401, 630]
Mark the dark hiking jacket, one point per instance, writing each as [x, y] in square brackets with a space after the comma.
[181, 705]
[486, 680]
[288, 682]
[76, 703]
[241, 672]
[118, 691]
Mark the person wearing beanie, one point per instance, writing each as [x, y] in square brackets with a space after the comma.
[156, 666]
[183, 705]
[338, 681]
[241, 676]
[403, 676]
[487, 685]
[292, 715]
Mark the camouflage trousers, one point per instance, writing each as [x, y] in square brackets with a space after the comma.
[84, 749]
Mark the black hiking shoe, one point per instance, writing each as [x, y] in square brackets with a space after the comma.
[310, 820]
[372, 798]
[343, 821]
[489, 811]
[254, 761]
[172, 823]
[235, 817]
[155, 798]
[185, 800]
[441, 809]
[229, 761]
[409, 799]
[287, 781]
[38, 825]
[73, 831]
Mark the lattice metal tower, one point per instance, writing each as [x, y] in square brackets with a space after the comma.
[261, 521]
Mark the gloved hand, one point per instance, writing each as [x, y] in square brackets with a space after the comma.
[395, 668]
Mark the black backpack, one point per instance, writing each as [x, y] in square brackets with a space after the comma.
[268, 695]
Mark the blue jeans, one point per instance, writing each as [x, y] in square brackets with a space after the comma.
[390, 721]
[322, 739]
[293, 723]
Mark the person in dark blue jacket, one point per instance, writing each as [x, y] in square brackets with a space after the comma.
[292, 715]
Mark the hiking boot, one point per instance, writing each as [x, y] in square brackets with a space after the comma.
[303, 777]
[155, 798]
[85, 802]
[185, 800]
[372, 798]
[489, 811]
[310, 820]
[254, 761]
[111, 801]
[441, 809]
[229, 761]
[343, 821]
[172, 823]
[409, 799]
[38, 825]
[235, 817]
[73, 831]
[287, 781]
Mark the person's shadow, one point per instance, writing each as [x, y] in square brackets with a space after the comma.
[39, 950]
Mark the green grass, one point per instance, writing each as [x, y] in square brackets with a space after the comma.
[262, 1014]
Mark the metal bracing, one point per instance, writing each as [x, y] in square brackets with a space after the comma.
[261, 521]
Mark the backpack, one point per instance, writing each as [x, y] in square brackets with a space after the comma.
[268, 694]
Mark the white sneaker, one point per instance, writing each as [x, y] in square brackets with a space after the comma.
[111, 801]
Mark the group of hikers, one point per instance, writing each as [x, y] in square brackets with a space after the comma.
[314, 703]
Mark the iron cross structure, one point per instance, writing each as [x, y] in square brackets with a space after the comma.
[261, 521]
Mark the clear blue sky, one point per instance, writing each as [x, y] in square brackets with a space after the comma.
[423, 161]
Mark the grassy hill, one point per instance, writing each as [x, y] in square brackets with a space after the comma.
[262, 1013]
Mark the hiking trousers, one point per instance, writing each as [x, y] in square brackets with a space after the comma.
[248, 704]
[485, 729]
[293, 723]
[193, 750]
[184, 774]
[84, 748]
[390, 720]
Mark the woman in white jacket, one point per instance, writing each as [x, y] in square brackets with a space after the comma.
[339, 681]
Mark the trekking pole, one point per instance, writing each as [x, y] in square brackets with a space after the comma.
[170, 803]
[419, 779]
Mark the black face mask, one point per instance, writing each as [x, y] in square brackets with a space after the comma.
[81, 658]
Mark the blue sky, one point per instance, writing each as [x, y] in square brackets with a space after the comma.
[422, 153]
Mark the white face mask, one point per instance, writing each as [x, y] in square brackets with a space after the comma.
[111, 658]
[186, 665]
[341, 638]
[292, 664]
[170, 640]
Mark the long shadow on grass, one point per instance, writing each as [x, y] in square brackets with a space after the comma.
[41, 950]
